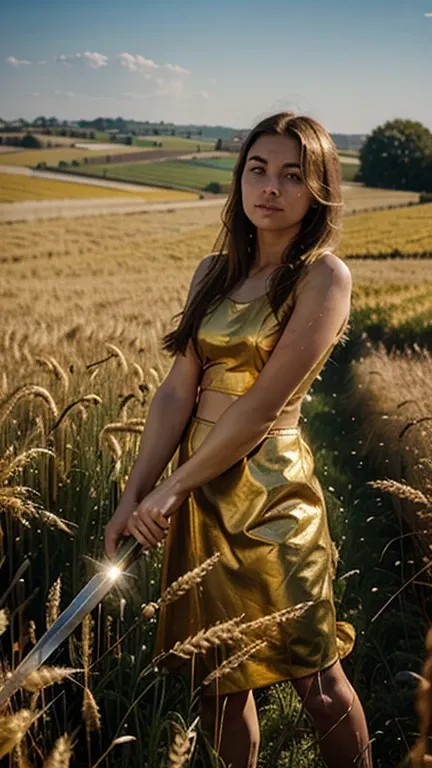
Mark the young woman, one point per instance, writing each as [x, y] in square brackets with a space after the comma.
[263, 314]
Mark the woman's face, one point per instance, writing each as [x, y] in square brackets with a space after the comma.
[274, 194]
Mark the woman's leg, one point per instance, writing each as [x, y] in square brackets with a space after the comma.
[337, 714]
[238, 728]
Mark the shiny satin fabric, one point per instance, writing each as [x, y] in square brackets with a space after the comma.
[266, 516]
[236, 339]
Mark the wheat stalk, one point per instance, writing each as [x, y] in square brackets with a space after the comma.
[233, 661]
[91, 399]
[180, 749]
[269, 622]
[90, 711]
[10, 401]
[45, 676]
[52, 607]
[120, 356]
[32, 632]
[61, 754]
[222, 632]
[182, 585]
[15, 500]
[3, 621]
[13, 728]
[10, 464]
[402, 490]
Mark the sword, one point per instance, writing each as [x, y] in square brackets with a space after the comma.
[87, 599]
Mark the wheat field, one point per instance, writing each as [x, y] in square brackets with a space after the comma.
[15, 188]
[84, 304]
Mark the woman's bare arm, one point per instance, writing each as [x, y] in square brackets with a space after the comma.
[321, 307]
[168, 415]
[169, 412]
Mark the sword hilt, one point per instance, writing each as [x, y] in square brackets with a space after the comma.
[127, 553]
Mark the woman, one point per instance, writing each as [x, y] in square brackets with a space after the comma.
[262, 316]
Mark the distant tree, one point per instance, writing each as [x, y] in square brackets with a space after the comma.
[396, 156]
[218, 145]
[214, 187]
[30, 142]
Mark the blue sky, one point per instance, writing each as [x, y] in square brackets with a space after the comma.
[350, 65]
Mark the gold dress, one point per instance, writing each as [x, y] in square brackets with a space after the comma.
[267, 518]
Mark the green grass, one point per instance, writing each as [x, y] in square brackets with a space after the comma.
[176, 173]
[192, 174]
[349, 171]
[175, 142]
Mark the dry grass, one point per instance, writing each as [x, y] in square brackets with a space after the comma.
[57, 275]
[16, 188]
[407, 230]
[393, 395]
[31, 157]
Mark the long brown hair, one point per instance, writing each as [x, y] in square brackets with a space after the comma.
[234, 249]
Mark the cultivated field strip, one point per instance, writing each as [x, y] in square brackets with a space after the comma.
[15, 188]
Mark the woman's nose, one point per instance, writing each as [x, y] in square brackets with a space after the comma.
[272, 189]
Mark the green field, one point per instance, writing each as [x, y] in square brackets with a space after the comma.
[175, 142]
[191, 174]
[174, 173]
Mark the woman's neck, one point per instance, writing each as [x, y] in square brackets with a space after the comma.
[270, 247]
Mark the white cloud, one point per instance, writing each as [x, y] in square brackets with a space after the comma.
[17, 62]
[428, 14]
[178, 70]
[137, 63]
[93, 59]
[203, 95]
[68, 58]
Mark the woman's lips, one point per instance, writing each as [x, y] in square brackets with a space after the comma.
[266, 209]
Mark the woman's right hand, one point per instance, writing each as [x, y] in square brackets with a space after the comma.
[116, 528]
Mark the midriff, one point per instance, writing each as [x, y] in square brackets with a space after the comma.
[211, 406]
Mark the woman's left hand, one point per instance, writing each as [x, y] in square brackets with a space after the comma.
[149, 522]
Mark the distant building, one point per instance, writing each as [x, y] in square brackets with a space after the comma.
[234, 144]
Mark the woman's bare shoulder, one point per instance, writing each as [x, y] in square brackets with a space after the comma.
[328, 267]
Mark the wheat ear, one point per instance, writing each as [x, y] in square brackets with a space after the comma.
[182, 585]
[45, 676]
[90, 711]
[273, 619]
[52, 607]
[3, 621]
[61, 754]
[13, 728]
[223, 632]
[234, 661]
[401, 490]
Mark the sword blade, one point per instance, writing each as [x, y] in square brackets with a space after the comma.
[84, 602]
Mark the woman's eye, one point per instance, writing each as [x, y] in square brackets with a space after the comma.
[257, 168]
